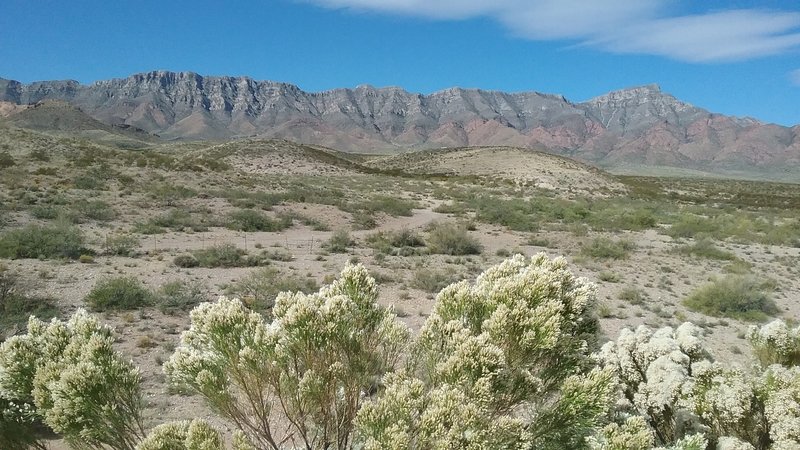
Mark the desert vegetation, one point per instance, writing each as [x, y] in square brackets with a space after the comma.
[141, 238]
[509, 361]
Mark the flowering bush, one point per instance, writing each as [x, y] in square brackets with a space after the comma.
[775, 343]
[668, 386]
[499, 364]
[184, 435]
[68, 376]
[313, 364]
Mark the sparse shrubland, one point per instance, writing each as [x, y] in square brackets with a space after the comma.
[504, 362]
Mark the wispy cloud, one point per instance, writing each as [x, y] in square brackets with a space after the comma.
[619, 26]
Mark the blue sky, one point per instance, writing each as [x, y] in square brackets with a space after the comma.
[735, 57]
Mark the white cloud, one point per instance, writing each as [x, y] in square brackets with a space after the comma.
[794, 77]
[620, 26]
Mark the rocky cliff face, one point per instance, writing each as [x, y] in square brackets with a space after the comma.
[628, 127]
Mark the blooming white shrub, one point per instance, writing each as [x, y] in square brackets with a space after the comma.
[775, 343]
[313, 364]
[666, 378]
[68, 375]
[184, 435]
[498, 364]
[653, 370]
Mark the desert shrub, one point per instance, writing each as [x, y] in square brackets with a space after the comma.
[86, 259]
[364, 220]
[170, 194]
[45, 212]
[179, 296]
[89, 182]
[605, 248]
[34, 241]
[609, 277]
[120, 244]
[688, 225]
[775, 343]
[498, 362]
[538, 241]
[433, 280]
[403, 242]
[6, 160]
[392, 206]
[185, 435]
[737, 297]
[339, 242]
[252, 220]
[222, 255]
[259, 289]
[671, 392]
[186, 261]
[177, 219]
[307, 366]
[68, 375]
[147, 228]
[96, 210]
[632, 295]
[16, 305]
[449, 238]
[705, 248]
[123, 293]
[612, 217]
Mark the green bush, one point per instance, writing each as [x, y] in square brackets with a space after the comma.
[605, 248]
[259, 289]
[404, 242]
[35, 241]
[364, 221]
[186, 261]
[89, 182]
[705, 248]
[96, 210]
[451, 239]
[179, 296]
[433, 280]
[45, 212]
[252, 220]
[178, 220]
[339, 242]
[124, 293]
[392, 206]
[632, 295]
[120, 244]
[223, 255]
[737, 297]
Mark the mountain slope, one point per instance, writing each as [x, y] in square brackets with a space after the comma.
[635, 127]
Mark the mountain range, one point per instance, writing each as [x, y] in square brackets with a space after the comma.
[635, 130]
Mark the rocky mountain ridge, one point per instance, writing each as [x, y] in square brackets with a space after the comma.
[635, 127]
